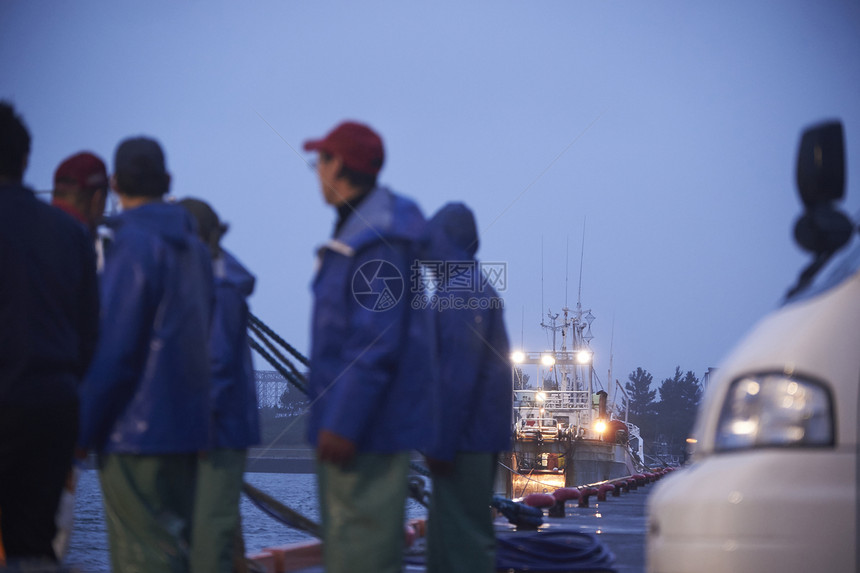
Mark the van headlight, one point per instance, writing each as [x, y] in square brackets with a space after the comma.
[768, 410]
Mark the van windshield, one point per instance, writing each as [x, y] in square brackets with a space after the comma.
[843, 265]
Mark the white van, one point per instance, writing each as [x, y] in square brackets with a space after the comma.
[773, 483]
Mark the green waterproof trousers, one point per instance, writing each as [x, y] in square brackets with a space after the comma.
[216, 538]
[460, 534]
[148, 505]
[363, 510]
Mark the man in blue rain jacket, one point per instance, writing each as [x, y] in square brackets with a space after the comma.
[145, 402]
[473, 398]
[217, 536]
[371, 361]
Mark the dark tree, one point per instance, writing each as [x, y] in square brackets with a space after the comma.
[679, 401]
[642, 409]
[640, 393]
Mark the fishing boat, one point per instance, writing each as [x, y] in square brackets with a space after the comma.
[567, 428]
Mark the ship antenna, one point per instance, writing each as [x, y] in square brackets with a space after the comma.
[612, 385]
[567, 271]
[541, 278]
[581, 257]
[523, 328]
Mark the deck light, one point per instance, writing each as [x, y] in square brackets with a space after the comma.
[518, 357]
[583, 356]
[547, 359]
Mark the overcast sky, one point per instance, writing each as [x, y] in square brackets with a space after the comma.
[664, 133]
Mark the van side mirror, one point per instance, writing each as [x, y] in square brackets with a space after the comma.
[821, 164]
[822, 229]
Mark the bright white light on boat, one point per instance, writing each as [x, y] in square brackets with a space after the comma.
[518, 357]
[547, 359]
[583, 357]
[599, 426]
[540, 396]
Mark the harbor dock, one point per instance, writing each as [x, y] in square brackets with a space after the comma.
[619, 523]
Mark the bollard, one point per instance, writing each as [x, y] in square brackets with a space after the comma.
[583, 500]
[562, 495]
[601, 491]
[539, 500]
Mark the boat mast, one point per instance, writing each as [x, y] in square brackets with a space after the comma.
[554, 328]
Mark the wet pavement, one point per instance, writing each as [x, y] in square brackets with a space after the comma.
[619, 523]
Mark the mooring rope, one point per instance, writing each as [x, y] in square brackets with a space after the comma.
[294, 377]
[289, 348]
[280, 512]
[286, 368]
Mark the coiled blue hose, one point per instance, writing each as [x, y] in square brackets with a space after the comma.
[546, 551]
[552, 551]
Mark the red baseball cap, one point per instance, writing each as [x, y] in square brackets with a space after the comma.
[359, 147]
[83, 169]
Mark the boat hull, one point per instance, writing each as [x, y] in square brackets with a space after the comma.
[542, 467]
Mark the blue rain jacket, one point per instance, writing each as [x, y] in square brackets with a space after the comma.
[371, 353]
[148, 391]
[234, 392]
[473, 401]
[48, 301]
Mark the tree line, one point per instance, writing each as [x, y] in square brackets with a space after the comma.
[666, 424]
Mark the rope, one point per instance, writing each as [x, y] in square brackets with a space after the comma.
[276, 365]
[280, 512]
[289, 348]
[553, 551]
[296, 378]
[290, 373]
[548, 551]
[293, 376]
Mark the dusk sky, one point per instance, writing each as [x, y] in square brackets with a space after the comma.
[664, 133]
